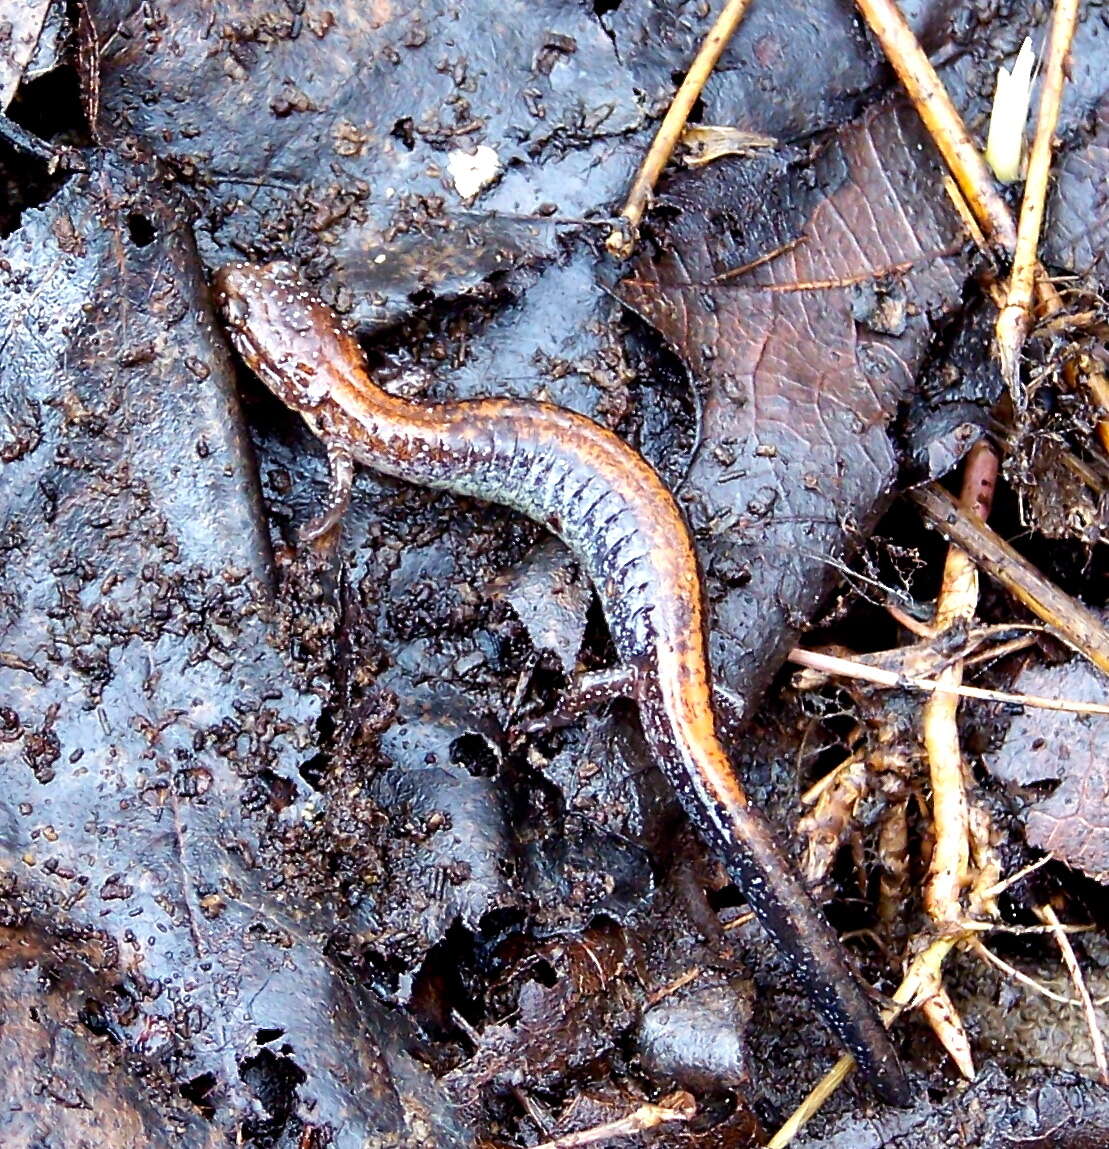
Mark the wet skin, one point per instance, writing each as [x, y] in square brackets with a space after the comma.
[597, 494]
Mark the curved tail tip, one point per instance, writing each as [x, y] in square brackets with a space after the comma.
[888, 1079]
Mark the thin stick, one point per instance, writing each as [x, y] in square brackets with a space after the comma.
[988, 956]
[678, 1106]
[690, 975]
[1015, 319]
[758, 261]
[739, 921]
[1000, 651]
[812, 1102]
[1019, 876]
[621, 241]
[941, 118]
[1070, 620]
[871, 273]
[1047, 914]
[962, 209]
[849, 668]
[972, 927]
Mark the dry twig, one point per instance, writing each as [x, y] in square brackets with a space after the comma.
[854, 668]
[812, 1102]
[988, 956]
[941, 118]
[621, 240]
[973, 927]
[1015, 318]
[998, 888]
[680, 982]
[678, 1106]
[1047, 914]
[966, 164]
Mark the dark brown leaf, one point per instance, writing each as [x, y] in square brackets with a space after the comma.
[572, 1002]
[20, 28]
[1041, 746]
[1077, 236]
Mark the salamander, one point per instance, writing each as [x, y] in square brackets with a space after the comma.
[624, 526]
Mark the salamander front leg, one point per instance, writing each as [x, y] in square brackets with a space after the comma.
[341, 465]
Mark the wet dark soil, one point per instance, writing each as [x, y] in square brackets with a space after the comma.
[276, 867]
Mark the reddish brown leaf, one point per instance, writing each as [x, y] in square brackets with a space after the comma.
[800, 382]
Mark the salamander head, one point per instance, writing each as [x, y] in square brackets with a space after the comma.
[285, 334]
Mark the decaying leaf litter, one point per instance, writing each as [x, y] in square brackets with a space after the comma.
[274, 864]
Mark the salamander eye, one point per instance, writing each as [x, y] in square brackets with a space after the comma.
[281, 271]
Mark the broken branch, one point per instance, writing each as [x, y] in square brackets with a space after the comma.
[678, 1106]
[1047, 914]
[1070, 620]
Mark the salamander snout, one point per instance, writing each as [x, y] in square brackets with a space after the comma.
[291, 340]
[255, 302]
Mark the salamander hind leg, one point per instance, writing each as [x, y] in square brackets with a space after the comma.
[587, 692]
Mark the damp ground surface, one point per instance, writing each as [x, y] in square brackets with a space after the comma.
[297, 847]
